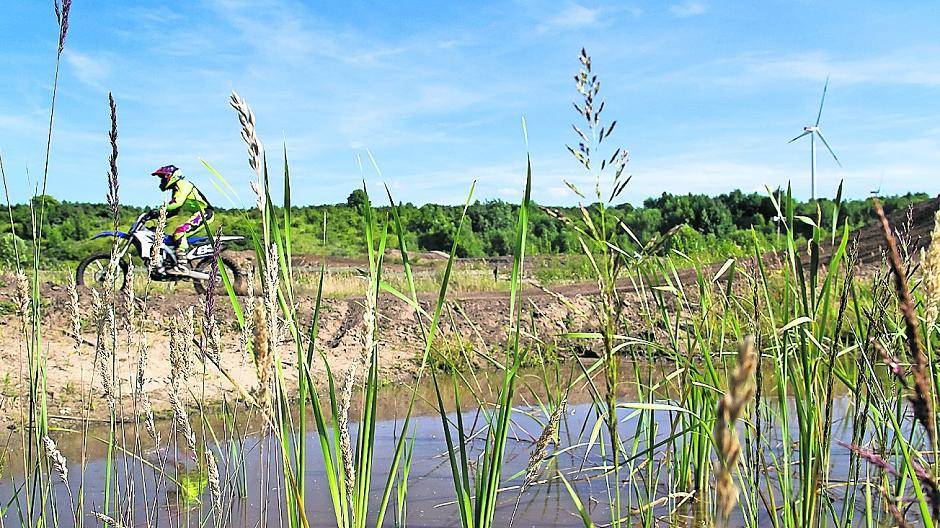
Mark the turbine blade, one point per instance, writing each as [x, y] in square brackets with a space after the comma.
[819, 133]
[822, 101]
[798, 137]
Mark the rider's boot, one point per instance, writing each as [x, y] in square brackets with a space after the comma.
[182, 263]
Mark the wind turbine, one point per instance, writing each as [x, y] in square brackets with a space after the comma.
[812, 131]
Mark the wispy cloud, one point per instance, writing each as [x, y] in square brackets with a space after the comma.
[904, 66]
[572, 16]
[907, 66]
[689, 8]
[88, 69]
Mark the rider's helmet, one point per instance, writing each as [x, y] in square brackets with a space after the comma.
[169, 174]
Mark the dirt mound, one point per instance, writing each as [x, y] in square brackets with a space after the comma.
[914, 223]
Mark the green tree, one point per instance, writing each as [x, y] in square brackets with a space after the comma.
[356, 199]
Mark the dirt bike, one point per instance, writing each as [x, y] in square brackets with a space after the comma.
[138, 241]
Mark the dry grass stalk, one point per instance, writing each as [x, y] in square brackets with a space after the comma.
[345, 441]
[215, 485]
[211, 333]
[247, 119]
[931, 264]
[269, 286]
[178, 372]
[730, 407]
[250, 301]
[263, 359]
[540, 453]
[922, 398]
[182, 336]
[59, 464]
[159, 232]
[97, 306]
[75, 312]
[181, 419]
[107, 520]
[141, 395]
[128, 298]
[104, 355]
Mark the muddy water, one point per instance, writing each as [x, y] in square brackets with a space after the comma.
[183, 500]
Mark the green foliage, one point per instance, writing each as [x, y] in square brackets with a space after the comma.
[718, 227]
[357, 199]
[11, 248]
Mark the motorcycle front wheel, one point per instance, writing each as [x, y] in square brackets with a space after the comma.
[93, 272]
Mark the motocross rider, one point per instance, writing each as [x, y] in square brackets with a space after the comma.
[186, 200]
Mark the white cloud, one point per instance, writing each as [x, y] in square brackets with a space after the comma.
[689, 8]
[88, 69]
[572, 16]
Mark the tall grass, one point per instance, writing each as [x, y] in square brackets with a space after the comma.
[793, 388]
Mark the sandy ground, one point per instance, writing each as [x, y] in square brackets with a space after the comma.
[73, 387]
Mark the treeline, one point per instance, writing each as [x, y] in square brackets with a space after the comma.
[717, 226]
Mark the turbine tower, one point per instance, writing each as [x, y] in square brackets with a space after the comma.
[812, 131]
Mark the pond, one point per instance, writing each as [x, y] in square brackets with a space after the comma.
[164, 486]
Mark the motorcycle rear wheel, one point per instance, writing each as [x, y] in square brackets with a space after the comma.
[234, 273]
[93, 272]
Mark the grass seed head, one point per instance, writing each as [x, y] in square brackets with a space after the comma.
[158, 234]
[215, 486]
[107, 520]
[59, 464]
[113, 198]
[250, 301]
[263, 359]
[75, 312]
[540, 453]
[730, 407]
[62, 13]
[140, 393]
[343, 423]
[247, 119]
[181, 419]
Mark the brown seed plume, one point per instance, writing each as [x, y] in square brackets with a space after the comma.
[730, 407]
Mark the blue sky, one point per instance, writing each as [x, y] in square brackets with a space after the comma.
[706, 93]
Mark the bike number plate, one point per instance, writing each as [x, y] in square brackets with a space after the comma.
[203, 251]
